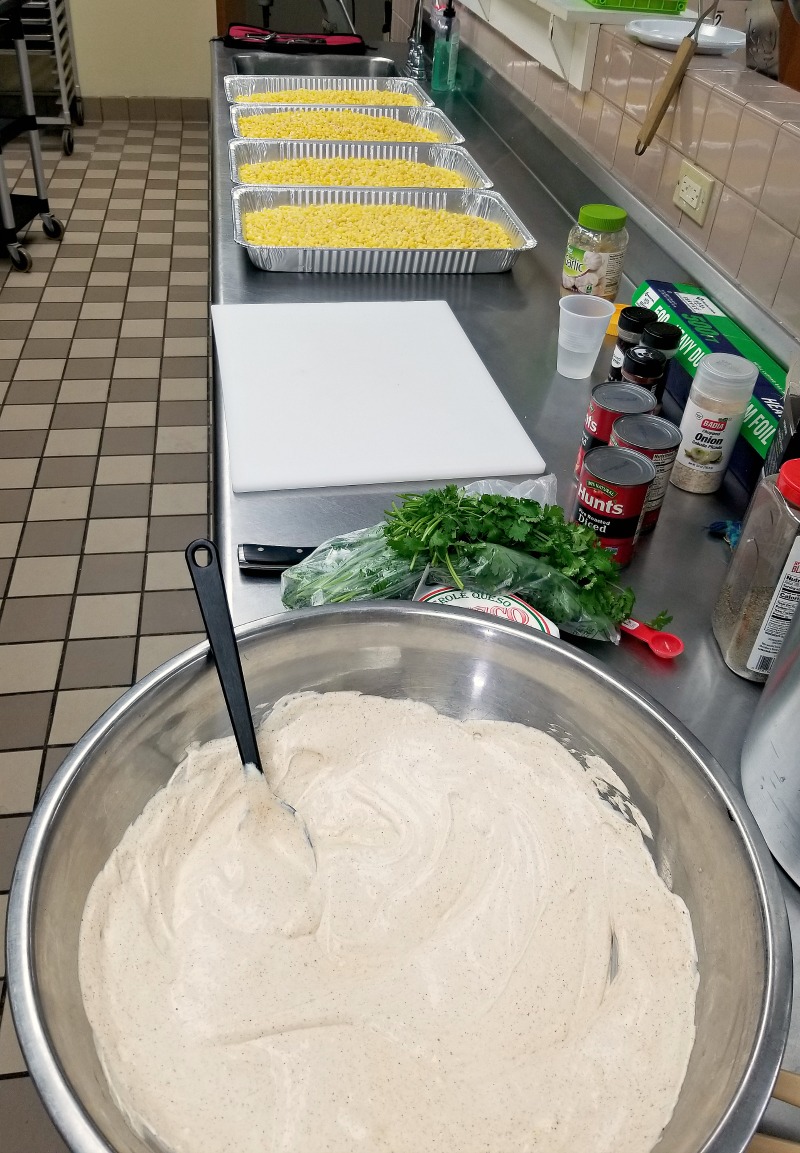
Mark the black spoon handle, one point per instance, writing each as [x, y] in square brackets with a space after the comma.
[210, 589]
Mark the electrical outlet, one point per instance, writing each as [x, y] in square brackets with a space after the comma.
[693, 191]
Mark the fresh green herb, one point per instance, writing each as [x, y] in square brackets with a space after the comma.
[660, 622]
[447, 525]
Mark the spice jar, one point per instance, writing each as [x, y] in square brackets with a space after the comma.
[630, 326]
[646, 367]
[711, 420]
[760, 595]
[595, 251]
[667, 339]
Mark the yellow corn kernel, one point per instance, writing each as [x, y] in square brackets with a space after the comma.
[350, 171]
[330, 96]
[369, 226]
[331, 124]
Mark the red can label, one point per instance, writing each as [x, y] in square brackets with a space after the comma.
[598, 425]
[663, 460]
[613, 510]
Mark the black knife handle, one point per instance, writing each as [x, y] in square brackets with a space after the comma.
[270, 558]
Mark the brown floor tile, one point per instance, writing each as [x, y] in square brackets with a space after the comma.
[5, 569]
[26, 442]
[139, 346]
[188, 292]
[68, 310]
[42, 349]
[137, 389]
[111, 573]
[33, 391]
[27, 1128]
[180, 468]
[179, 366]
[94, 329]
[78, 416]
[197, 327]
[126, 441]
[169, 533]
[149, 279]
[13, 503]
[66, 471]
[14, 329]
[34, 619]
[89, 368]
[19, 778]
[98, 662]
[182, 412]
[145, 310]
[52, 538]
[15, 295]
[104, 295]
[68, 279]
[114, 500]
[171, 611]
[12, 830]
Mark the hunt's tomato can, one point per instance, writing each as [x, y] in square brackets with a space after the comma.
[658, 440]
[612, 488]
[608, 401]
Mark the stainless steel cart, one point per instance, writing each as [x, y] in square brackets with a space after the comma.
[17, 211]
[48, 31]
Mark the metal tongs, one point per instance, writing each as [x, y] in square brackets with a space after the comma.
[671, 83]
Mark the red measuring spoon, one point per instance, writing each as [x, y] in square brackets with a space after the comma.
[665, 645]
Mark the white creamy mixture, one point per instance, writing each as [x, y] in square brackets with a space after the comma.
[439, 980]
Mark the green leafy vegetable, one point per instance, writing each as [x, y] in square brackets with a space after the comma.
[660, 622]
[448, 526]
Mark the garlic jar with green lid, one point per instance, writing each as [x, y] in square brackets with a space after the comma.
[595, 251]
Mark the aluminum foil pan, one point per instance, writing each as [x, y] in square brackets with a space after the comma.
[430, 118]
[240, 88]
[476, 202]
[450, 156]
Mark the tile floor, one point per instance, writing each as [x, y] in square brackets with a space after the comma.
[104, 467]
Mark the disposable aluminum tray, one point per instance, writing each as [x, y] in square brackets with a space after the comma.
[242, 88]
[430, 118]
[450, 156]
[490, 205]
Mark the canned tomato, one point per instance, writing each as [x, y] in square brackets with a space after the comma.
[659, 441]
[608, 401]
[612, 488]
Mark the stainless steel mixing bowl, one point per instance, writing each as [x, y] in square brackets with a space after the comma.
[467, 665]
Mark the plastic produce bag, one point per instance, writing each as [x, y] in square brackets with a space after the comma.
[492, 568]
[363, 566]
[356, 567]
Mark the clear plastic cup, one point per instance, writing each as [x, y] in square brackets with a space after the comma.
[583, 321]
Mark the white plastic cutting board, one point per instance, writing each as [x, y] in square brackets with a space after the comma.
[363, 393]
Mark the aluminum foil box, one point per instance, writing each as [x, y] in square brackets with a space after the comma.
[706, 328]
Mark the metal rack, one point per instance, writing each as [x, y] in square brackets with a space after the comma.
[48, 31]
[18, 210]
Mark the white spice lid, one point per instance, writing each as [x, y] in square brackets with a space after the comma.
[725, 377]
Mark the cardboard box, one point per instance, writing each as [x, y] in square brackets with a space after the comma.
[707, 329]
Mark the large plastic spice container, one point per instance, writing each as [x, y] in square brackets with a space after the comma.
[760, 594]
[712, 419]
[595, 251]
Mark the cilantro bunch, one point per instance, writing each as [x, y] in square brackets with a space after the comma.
[448, 527]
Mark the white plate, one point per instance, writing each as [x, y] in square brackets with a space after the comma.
[667, 32]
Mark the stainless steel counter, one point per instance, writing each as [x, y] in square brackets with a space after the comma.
[511, 319]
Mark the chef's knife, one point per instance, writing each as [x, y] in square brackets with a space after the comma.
[270, 559]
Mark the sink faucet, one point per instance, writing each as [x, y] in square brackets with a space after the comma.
[415, 61]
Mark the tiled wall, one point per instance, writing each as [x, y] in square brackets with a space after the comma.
[739, 126]
[146, 110]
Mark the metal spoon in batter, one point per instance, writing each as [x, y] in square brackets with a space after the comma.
[210, 589]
